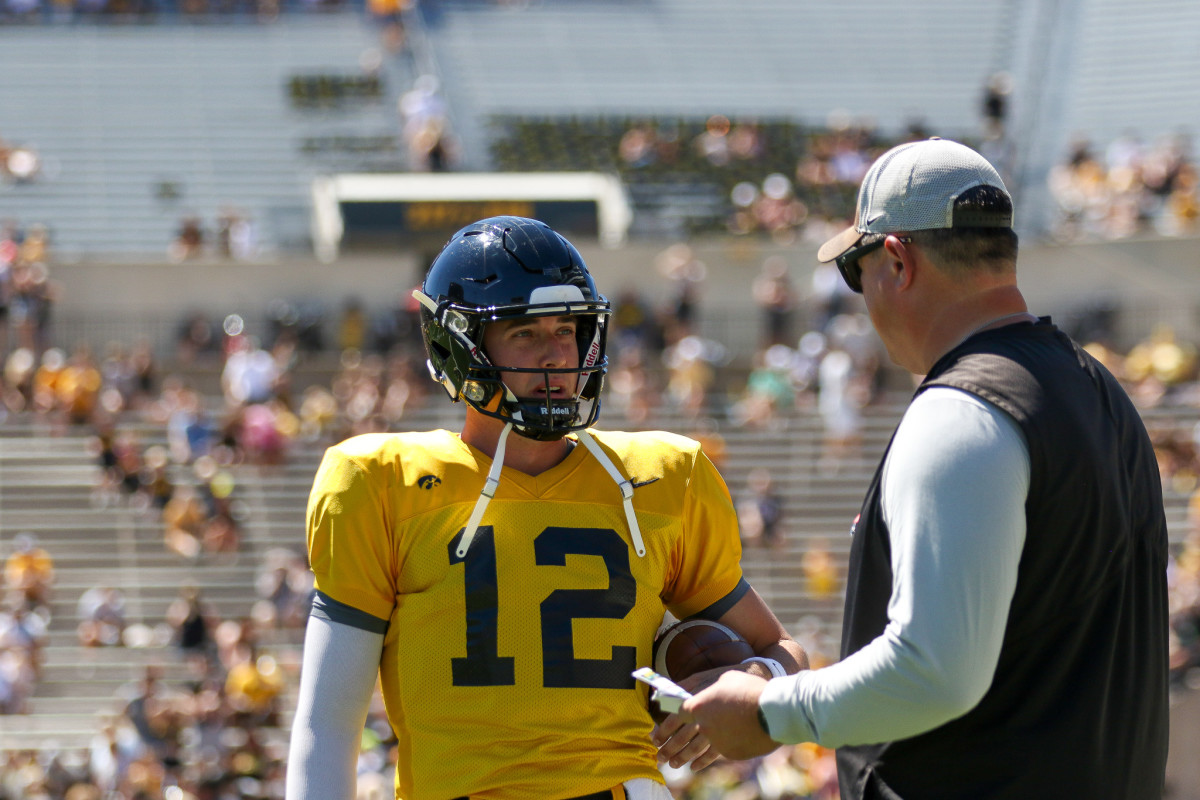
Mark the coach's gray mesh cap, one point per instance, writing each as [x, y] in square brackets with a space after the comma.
[912, 187]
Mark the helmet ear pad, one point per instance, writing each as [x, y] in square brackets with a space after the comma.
[456, 357]
[445, 360]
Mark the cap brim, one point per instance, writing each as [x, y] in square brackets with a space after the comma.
[839, 244]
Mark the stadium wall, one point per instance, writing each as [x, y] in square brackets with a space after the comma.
[1141, 284]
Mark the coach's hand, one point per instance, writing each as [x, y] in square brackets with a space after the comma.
[678, 737]
[727, 713]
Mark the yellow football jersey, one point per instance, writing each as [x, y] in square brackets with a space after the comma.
[506, 673]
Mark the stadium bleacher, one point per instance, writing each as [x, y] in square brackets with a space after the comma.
[139, 125]
[770, 58]
[116, 112]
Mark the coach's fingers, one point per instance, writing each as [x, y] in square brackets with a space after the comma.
[705, 759]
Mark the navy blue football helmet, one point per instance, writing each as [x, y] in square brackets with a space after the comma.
[500, 268]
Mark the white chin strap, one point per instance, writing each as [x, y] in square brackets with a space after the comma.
[489, 491]
[626, 490]
[493, 481]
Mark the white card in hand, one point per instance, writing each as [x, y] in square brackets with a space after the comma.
[668, 694]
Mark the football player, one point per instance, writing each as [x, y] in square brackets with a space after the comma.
[504, 581]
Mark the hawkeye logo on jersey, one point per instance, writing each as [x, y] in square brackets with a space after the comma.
[429, 481]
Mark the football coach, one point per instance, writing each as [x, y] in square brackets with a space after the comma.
[1005, 629]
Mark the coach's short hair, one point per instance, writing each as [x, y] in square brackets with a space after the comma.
[963, 248]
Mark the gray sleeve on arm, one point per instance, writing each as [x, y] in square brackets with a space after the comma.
[337, 679]
[954, 490]
[327, 608]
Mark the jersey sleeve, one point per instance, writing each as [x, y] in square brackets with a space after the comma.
[706, 569]
[349, 537]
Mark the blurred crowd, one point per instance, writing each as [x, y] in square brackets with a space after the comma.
[27, 294]
[815, 354]
[28, 12]
[788, 206]
[774, 178]
[1128, 188]
[19, 163]
[203, 720]
[233, 237]
[24, 618]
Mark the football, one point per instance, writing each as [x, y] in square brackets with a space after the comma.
[692, 646]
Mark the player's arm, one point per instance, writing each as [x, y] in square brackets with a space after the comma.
[350, 549]
[713, 559]
[337, 679]
[759, 626]
[710, 518]
[775, 652]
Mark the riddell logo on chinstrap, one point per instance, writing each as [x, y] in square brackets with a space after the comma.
[593, 355]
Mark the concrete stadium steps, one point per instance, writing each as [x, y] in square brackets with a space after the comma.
[115, 110]
[147, 598]
[54, 731]
[1104, 100]
[699, 57]
[47, 487]
[65, 498]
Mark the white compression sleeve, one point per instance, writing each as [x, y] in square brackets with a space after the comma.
[337, 679]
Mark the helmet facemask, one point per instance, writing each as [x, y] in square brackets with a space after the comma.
[454, 337]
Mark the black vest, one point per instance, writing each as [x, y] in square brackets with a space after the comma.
[1078, 704]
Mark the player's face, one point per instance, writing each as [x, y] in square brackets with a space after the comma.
[535, 343]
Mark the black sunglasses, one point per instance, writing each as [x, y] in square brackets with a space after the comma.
[847, 262]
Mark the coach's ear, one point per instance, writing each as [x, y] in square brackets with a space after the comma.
[902, 262]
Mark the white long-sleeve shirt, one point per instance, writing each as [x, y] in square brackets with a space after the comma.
[954, 487]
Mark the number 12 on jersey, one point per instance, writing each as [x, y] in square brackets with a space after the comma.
[484, 666]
